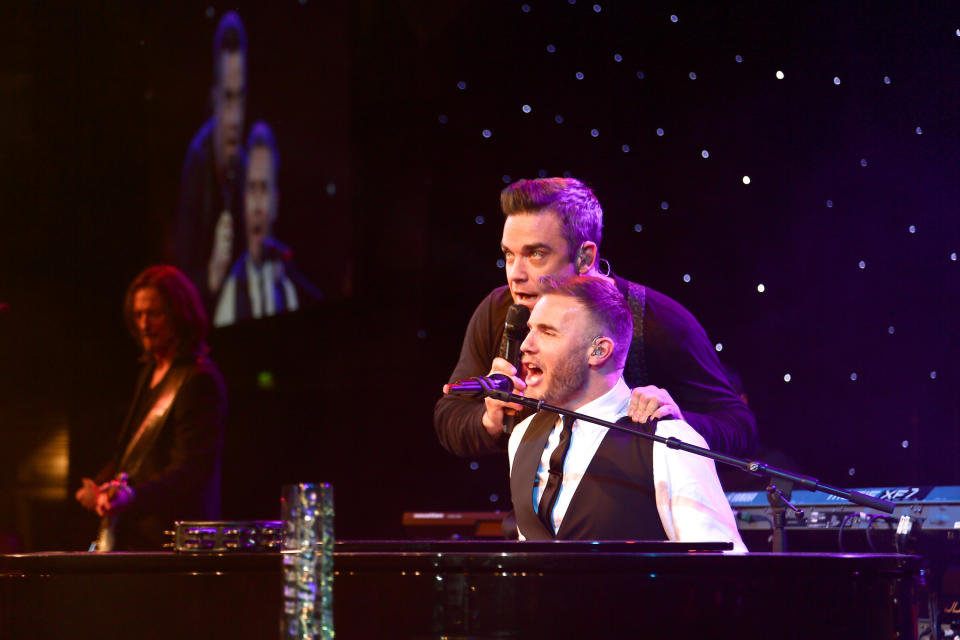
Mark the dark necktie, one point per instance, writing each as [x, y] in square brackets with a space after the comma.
[555, 476]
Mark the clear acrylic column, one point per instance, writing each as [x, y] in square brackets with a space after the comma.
[308, 561]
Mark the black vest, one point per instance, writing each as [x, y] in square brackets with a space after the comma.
[615, 499]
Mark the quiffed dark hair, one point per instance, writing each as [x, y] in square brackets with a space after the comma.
[581, 216]
[601, 298]
[261, 135]
[230, 37]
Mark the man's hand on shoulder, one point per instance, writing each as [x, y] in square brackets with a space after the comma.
[652, 402]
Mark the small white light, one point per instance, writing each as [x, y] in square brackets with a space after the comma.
[746, 179]
[526, 108]
[905, 444]
[829, 204]
[501, 263]
[836, 80]
[953, 256]
[862, 264]
[461, 85]
[918, 131]
[579, 75]
[617, 57]
[664, 205]
[863, 162]
[594, 133]
[853, 376]
[779, 75]
[686, 277]
[551, 48]
[479, 220]
[912, 228]
[673, 18]
[886, 79]
[558, 119]
[851, 471]
[597, 8]
[787, 377]
[738, 58]
[719, 346]
[474, 465]
[487, 133]
[625, 148]
[891, 330]
[761, 288]
[494, 497]
[660, 132]
[693, 76]
[957, 32]
[705, 154]
[933, 375]
[638, 228]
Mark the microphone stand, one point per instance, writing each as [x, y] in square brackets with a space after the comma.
[778, 501]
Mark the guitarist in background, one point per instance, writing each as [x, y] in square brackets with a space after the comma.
[167, 463]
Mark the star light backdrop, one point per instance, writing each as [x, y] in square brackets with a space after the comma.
[790, 175]
[788, 172]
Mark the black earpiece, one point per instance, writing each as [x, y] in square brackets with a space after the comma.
[581, 261]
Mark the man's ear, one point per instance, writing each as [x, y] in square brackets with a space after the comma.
[586, 257]
[601, 350]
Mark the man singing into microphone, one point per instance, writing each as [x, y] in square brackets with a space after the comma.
[552, 227]
[575, 480]
[259, 283]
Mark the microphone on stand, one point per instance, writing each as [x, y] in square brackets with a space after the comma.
[475, 387]
[514, 332]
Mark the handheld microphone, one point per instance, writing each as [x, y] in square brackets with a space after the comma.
[514, 332]
[475, 387]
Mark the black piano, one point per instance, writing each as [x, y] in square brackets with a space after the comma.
[476, 589]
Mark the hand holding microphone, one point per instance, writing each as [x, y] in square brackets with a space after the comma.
[221, 252]
[503, 375]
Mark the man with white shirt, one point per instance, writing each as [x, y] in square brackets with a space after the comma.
[583, 481]
[260, 282]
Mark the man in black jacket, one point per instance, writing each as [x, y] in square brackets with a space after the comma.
[166, 466]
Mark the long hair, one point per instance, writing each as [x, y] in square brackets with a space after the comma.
[182, 303]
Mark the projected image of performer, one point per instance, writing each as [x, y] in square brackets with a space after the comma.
[263, 280]
[575, 480]
[552, 227]
[167, 463]
[211, 197]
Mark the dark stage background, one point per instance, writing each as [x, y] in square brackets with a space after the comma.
[829, 282]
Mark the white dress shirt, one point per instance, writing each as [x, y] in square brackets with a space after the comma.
[690, 500]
